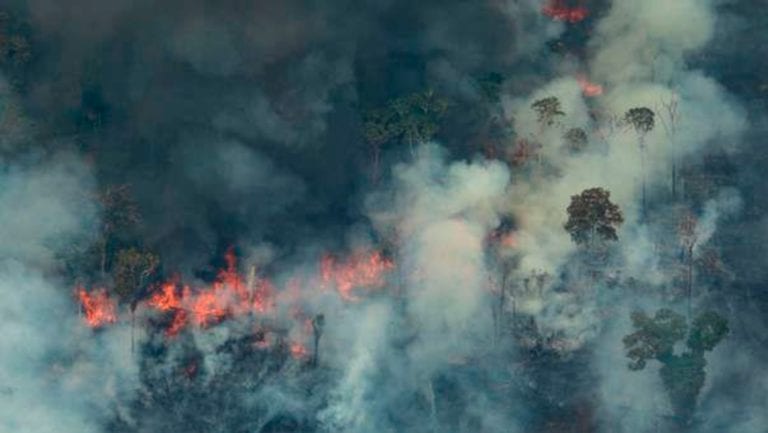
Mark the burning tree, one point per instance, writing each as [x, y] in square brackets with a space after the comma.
[592, 217]
[683, 374]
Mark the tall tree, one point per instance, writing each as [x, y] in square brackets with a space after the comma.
[132, 271]
[318, 323]
[642, 120]
[592, 217]
[681, 373]
[120, 214]
[413, 118]
[687, 233]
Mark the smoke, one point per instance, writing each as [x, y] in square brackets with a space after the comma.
[55, 374]
[439, 216]
[239, 124]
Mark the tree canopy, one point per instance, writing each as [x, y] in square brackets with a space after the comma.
[592, 216]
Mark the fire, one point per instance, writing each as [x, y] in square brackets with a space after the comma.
[166, 299]
[228, 296]
[589, 88]
[232, 295]
[558, 10]
[362, 270]
[178, 323]
[298, 350]
[99, 309]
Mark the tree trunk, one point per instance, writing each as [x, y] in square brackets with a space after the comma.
[689, 281]
[642, 170]
[133, 328]
[104, 257]
[316, 352]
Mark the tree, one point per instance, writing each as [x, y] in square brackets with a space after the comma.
[642, 119]
[120, 213]
[688, 238]
[593, 217]
[548, 109]
[670, 120]
[682, 374]
[132, 271]
[414, 118]
[318, 322]
[575, 139]
[490, 86]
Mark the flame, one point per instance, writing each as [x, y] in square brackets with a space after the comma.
[589, 88]
[362, 270]
[298, 350]
[99, 309]
[559, 11]
[166, 299]
[178, 323]
[231, 295]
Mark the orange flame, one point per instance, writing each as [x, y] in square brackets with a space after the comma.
[362, 270]
[298, 350]
[589, 88]
[559, 11]
[230, 295]
[166, 299]
[99, 309]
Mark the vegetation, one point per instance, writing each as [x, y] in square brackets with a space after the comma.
[548, 110]
[683, 375]
[592, 217]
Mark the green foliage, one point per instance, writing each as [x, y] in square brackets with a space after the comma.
[683, 374]
[15, 48]
[132, 269]
[683, 377]
[119, 210]
[707, 331]
[414, 118]
[548, 109]
[641, 118]
[119, 218]
[655, 336]
[575, 139]
[490, 86]
[592, 216]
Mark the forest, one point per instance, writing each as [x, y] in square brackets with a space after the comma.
[380, 216]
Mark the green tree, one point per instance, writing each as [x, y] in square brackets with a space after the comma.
[119, 215]
[413, 118]
[592, 217]
[682, 373]
[575, 139]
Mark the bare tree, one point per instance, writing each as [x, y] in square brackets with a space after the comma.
[670, 120]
